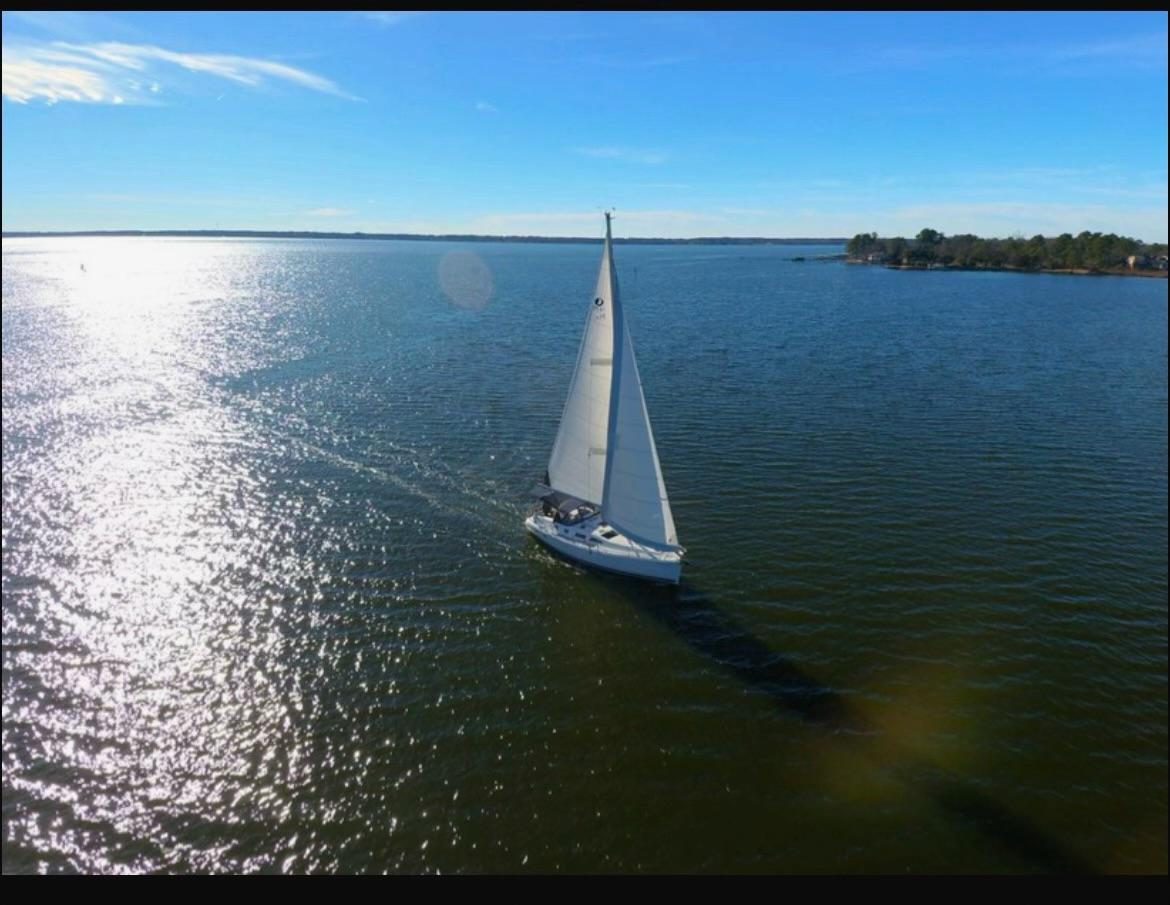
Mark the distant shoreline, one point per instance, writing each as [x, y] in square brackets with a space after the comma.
[411, 237]
[1085, 254]
[1007, 268]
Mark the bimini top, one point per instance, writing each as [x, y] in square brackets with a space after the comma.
[568, 508]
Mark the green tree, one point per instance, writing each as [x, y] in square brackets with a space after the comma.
[1062, 253]
[1097, 251]
[863, 244]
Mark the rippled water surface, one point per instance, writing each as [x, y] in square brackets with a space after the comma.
[268, 603]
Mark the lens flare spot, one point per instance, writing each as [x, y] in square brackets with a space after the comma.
[465, 279]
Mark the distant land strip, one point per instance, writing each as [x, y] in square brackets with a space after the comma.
[418, 237]
[1087, 253]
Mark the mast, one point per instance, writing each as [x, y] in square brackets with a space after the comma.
[618, 329]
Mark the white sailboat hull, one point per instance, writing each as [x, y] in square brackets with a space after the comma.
[583, 543]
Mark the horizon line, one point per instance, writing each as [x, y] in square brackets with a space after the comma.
[472, 237]
[432, 237]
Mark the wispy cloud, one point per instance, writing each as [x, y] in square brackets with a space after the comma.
[1007, 217]
[1028, 183]
[53, 78]
[329, 212]
[1000, 218]
[590, 223]
[635, 155]
[115, 73]
[1141, 51]
[74, 26]
[387, 19]
[1136, 49]
[991, 218]
[1096, 180]
[485, 107]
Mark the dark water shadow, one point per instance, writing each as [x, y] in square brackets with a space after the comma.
[696, 619]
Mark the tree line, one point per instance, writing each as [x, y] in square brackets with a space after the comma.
[1087, 251]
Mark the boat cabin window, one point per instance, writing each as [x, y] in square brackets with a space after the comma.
[573, 516]
[566, 510]
[608, 533]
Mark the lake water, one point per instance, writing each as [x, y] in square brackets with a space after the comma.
[268, 602]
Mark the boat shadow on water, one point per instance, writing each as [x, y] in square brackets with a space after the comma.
[696, 618]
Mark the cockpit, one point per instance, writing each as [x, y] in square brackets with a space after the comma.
[567, 510]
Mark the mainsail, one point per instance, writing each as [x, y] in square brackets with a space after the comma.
[604, 451]
[577, 464]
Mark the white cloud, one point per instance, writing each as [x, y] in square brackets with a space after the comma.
[112, 72]
[329, 212]
[485, 107]
[27, 79]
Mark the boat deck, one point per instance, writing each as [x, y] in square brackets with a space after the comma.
[593, 542]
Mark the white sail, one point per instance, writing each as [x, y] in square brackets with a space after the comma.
[635, 499]
[577, 464]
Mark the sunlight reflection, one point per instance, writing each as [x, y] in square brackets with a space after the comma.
[173, 640]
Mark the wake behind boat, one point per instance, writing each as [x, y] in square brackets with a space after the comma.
[604, 502]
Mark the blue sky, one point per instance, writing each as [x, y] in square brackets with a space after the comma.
[777, 124]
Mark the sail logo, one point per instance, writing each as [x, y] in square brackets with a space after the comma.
[599, 302]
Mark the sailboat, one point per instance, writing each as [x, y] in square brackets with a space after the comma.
[603, 502]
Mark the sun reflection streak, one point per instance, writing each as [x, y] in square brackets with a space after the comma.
[165, 636]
